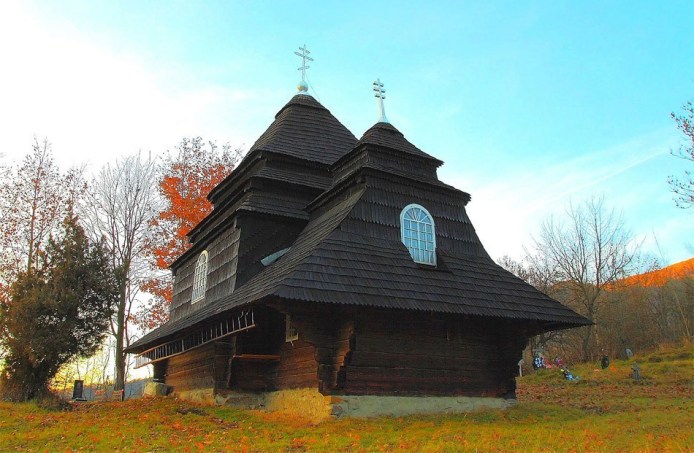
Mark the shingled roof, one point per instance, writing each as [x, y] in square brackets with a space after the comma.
[304, 129]
[388, 136]
[328, 265]
[350, 252]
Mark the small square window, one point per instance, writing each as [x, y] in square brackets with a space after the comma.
[290, 332]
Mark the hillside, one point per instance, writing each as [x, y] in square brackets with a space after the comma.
[661, 276]
[606, 410]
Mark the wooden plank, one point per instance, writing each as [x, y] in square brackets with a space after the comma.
[300, 380]
[372, 343]
[402, 373]
[257, 357]
[298, 366]
[425, 361]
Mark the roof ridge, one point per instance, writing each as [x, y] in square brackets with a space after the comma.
[302, 99]
[388, 136]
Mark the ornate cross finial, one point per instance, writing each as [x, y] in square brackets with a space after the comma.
[380, 93]
[304, 54]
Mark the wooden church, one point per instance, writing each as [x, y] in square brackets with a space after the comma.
[343, 267]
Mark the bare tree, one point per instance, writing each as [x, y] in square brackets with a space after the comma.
[590, 251]
[122, 201]
[537, 270]
[34, 200]
[684, 187]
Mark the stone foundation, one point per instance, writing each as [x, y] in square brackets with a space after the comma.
[154, 389]
[396, 406]
[204, 395]
[311, 404]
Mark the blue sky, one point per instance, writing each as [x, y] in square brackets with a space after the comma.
[530, 104]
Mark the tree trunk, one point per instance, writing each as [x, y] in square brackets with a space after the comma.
[119, 383]
[587, 344]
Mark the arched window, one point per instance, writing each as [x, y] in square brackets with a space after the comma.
[418, 234]
[200, 278]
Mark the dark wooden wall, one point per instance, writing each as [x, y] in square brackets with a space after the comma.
[374, 352]
[233, 258]
[222, 264]
[262, 235]
[417, 354]
[297, 367]
[365, 352]
[330, 336]
[287, 365]
[203, 367]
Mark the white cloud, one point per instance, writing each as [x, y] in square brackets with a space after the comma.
[95, 103]
[507, 209]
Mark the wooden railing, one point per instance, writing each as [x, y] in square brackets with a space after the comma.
[220, 329]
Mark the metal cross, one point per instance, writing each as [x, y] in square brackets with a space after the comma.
[304, 54]
[380, 93]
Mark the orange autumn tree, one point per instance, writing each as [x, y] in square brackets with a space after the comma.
[187, 175]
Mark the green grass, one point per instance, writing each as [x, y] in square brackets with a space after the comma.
[605, 411]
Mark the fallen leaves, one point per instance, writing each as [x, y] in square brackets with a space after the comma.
[607, 411]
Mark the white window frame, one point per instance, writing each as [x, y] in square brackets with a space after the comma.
[422, 235]
[200, 278]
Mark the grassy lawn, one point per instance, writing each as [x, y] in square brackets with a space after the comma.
[605, 411]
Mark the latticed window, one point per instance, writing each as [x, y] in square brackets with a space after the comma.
[200, 278]
[418, 234]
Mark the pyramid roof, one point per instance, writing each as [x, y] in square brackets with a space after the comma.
[306, 130]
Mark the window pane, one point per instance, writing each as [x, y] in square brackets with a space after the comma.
[417, 232]
[200, 278]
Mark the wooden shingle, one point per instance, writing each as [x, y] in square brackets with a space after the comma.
[307, 167]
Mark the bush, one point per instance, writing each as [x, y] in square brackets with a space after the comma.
[52, 402]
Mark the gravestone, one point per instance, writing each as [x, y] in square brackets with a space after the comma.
[78, 390]
[637, 371]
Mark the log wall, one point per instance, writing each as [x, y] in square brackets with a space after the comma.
[330, 336]
[416, 354]
[374, 352]
[297, 367]
[203, 367]
[365, 352]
